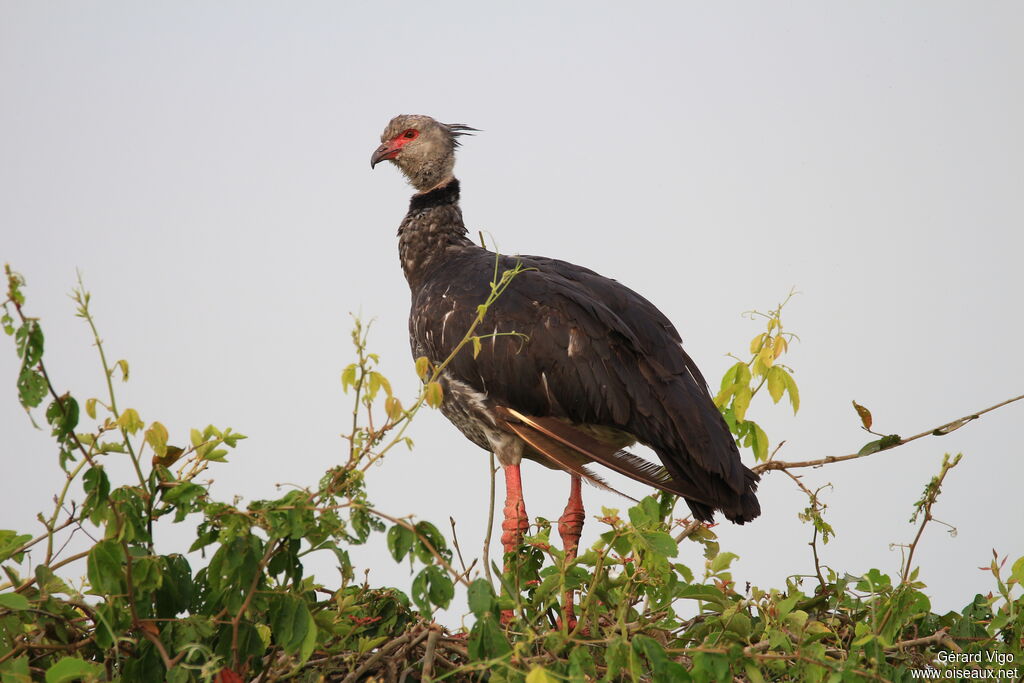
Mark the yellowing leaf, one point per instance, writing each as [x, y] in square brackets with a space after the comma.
[864, 413]
[776, 383]
[731, 375]
[393, 407]
[348, 377]
[434, 394]
[123, 364]
[741, 403]
[540, 675]
[722, 399]
[756, 342]
[90, 407]
[171, 455]
[156, 437]
[781, 342]
[422, 367]
[378, 382]
[793, 391]
[130, 421]
[476, 346]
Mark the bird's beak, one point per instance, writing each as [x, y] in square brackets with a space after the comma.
[388, 150]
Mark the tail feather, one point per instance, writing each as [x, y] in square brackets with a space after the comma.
[570, 448]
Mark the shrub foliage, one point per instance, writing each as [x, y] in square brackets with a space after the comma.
[239, 605]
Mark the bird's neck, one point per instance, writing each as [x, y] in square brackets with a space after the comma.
[432, 228]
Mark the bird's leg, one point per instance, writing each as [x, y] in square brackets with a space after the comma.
[515, 523]
[570, 526]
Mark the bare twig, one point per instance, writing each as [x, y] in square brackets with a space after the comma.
[385, 650]
[428, 655]
[455, 542]
[937, 637]
[941, 430]
[688, 530]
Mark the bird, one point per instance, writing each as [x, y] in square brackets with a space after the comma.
[570, 368]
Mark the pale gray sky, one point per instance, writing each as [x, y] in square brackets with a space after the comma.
[205, 165]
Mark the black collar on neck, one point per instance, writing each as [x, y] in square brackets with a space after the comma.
[444, 195]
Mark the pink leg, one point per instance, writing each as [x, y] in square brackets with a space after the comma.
[570, 526]
[515, 523]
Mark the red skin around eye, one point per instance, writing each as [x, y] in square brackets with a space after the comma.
[398, 142]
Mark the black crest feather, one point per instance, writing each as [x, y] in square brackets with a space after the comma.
[459, 129]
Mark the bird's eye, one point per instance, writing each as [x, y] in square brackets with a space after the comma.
[410, 134]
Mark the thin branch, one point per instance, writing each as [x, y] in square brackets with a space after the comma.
[455, 542]
[428, 655]
[423, 539]
[384, 651]
[937, 637]
[490, 522]
[688, 530]
[930, 496]
[941, 430]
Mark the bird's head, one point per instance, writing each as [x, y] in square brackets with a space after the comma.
[424, 149]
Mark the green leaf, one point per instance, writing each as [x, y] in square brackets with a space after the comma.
[31, 387]
[722, 562]
[481, 598]
[15, 670]
[49, 582]
[11, 541]
[14, 601]
[581, 664]
[400, 541]
[879, 444]
[175, 592]
[432, 586]
[70, 669]
[431, 535]
[663, 668]
[104, 567]
[1018, 570]
[62, 414]
[289, 622]
[661, 543]
[486, 641]
[29, 341]
[309, 642]
[758, 441]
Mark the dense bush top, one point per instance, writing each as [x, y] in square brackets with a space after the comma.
[250, 613]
